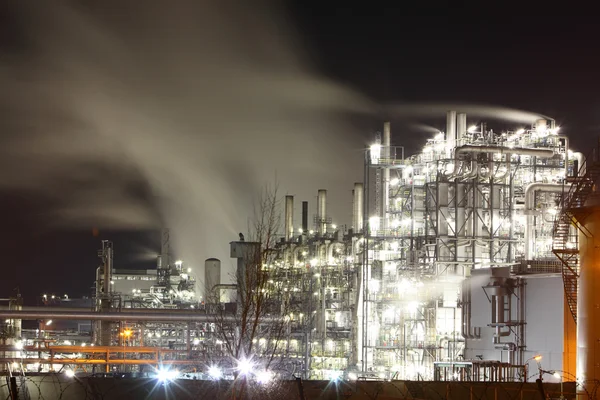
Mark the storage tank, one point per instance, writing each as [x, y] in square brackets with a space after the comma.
[588, 299]
[212, 277]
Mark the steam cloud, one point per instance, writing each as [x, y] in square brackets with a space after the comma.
[195, 105]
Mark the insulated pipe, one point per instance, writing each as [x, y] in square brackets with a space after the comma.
[529, 205]
[542, 153]
[289, 218]
[357, 208]
[322, 211]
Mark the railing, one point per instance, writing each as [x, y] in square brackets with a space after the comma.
[573, 200]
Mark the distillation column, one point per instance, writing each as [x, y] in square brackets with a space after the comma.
[387, 155]
[322, 212]
[289, 218]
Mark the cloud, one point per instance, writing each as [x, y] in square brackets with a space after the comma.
[127, 116]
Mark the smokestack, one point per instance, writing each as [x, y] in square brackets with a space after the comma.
[289, 218]
[322, 211]
[461, 127]
[357, 207]
[387, 153]
[305, 217]
[451, 129]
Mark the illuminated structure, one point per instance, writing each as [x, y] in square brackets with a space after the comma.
[442, 274]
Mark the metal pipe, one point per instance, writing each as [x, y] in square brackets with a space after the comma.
[289, 218]
[542, 153]
[529, 204]
[357, 208]
[322, 211]
[125, 316]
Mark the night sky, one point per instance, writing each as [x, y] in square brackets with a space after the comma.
[347, 70]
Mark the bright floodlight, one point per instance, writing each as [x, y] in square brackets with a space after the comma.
[215, 372]
[164, 375]
[472, 129]
[394, 181]
[19, 345]
[520, 131]
[264, 377]
[352, 376]
[196, 341]
[335, 375]
[537, 358]
[49, 322]
[244, 366]
[556, 375]
[69, 373]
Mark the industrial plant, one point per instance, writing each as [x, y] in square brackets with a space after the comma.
[461, 263]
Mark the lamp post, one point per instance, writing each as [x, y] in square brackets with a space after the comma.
[559, 376]
[537, 359]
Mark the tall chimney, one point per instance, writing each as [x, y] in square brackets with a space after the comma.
[451, 130]
[387, 153]
[357, 207]
[322, 211]
[461, 127]
[289, 218]
[305, 217]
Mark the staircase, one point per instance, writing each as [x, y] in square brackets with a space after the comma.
[565, 244]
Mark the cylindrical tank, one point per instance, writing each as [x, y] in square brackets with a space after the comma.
[357, 208]
[588, 300]
[212, 277]
[322, 211]
[289, 218]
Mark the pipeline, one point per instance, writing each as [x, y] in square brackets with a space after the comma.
[466, 313]
[167, 316]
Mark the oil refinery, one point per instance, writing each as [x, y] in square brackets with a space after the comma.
[461, 263]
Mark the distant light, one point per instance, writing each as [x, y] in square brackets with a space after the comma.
[556, 375]
[19, 345]
[311, 232]
[196, 341]
[352, 376]
[520, 131]
[439, 136]
[215, 372]
[334, 226]
[83, 344]
[66, 296]
[189, 270]
[244, 366]
[53, 296]
[264, 377]
[69, 373]
[472, 129]
[300, 230]
[394, 181]
[537, 358]
[178, 263]
[555, 130]
[49, 322]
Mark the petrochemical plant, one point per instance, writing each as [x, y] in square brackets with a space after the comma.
[461, 262]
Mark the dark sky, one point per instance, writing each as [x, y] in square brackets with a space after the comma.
[542, 65]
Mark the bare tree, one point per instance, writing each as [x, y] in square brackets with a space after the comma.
[252, 334]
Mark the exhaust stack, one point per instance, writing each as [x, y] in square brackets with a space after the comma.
[322, 212]
[357, 207]
[289, 218]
